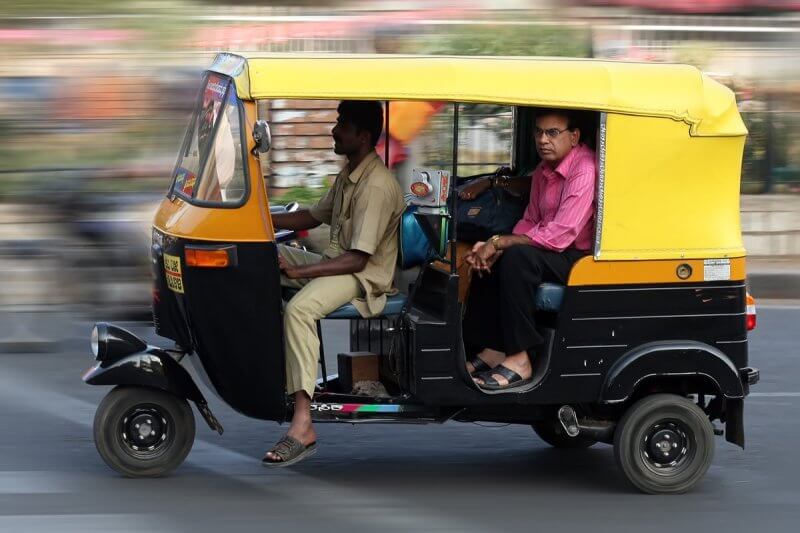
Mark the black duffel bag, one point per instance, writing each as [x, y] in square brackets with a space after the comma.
[495, 212]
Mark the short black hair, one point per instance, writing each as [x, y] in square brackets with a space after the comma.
[364, 115]
[573, 118]
[586, 121]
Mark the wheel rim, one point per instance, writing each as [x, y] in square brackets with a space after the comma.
[146, 431]
[667, 447]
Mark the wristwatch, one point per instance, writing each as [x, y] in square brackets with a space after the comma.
[495, 240]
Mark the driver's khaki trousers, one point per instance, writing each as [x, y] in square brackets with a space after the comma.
[317, 298]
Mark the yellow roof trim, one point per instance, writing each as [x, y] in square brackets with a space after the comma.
[679, 92]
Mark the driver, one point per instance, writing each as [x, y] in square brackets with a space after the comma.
[363, 208]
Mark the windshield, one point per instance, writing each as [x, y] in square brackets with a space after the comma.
[209, 168]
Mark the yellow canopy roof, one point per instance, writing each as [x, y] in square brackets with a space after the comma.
[679, 92]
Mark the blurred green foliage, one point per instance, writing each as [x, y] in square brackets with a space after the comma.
[304, 196]
[500, 41]
[34, 8]
[753, 164]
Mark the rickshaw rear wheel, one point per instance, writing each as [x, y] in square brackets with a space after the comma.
[664, 444]
[143, 432]
[553, 434]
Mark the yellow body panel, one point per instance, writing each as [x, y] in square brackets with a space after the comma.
[679, 92]
[666, 194]
[249, 223]
[588, 271]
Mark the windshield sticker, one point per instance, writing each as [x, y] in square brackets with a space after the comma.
[717, 269]
[212, 103]
[184, 181]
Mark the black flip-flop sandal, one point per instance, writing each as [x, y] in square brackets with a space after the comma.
[479, 365]
[515, 381]
[290, 451]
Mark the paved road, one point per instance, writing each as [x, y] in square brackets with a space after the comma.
[456, 477]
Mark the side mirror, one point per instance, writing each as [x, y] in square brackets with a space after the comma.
[262, 136]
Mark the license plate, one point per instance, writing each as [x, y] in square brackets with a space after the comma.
[172, 270]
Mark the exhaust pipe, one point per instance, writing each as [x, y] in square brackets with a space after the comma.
[599, 430]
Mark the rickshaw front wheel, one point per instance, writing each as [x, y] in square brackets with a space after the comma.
[664, 444]
[553, 434]
[143, 432]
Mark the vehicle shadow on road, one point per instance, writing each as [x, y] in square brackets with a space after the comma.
[546, 468]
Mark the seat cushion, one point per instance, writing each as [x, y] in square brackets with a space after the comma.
[549, 297]
[393, 306]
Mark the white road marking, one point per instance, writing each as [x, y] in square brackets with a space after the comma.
[790, 305]
[34, 482]
[83, 523]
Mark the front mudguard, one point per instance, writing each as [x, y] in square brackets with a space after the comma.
[153, 368]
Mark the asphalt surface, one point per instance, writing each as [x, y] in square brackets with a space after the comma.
[456, 477]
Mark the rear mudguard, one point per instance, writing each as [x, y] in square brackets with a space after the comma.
[679, 359]
[154, 368]
[670, 359]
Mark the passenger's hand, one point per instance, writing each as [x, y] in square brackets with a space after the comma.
[477, 246]
[474, 189]
[469, 257]
[485, 257]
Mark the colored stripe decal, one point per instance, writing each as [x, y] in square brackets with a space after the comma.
[374, 408]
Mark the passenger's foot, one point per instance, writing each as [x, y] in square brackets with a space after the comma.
[516, 371]
[485, 360]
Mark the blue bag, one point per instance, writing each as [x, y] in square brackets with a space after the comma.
[414, 248]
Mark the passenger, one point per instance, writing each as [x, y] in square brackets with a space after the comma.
[555, 231]
[363, 208]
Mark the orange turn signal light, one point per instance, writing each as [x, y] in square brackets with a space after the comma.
[207, 258]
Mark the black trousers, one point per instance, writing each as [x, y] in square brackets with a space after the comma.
[501, 305]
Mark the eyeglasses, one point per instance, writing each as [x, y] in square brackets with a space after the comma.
[551, 133]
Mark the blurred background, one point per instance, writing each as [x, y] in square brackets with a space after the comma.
[95, 95]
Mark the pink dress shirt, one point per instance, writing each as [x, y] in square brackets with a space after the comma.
[560, 213]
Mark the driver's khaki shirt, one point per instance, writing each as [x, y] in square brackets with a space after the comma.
[363, 209]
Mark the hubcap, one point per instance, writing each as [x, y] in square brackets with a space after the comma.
[145, 431]
[666, 445]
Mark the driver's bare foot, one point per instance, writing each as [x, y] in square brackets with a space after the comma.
[305, 435]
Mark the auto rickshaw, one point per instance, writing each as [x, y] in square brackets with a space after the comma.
[647, 344]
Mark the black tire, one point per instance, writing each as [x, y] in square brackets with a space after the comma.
[142, 432]
[553, 434]
[664, 444]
